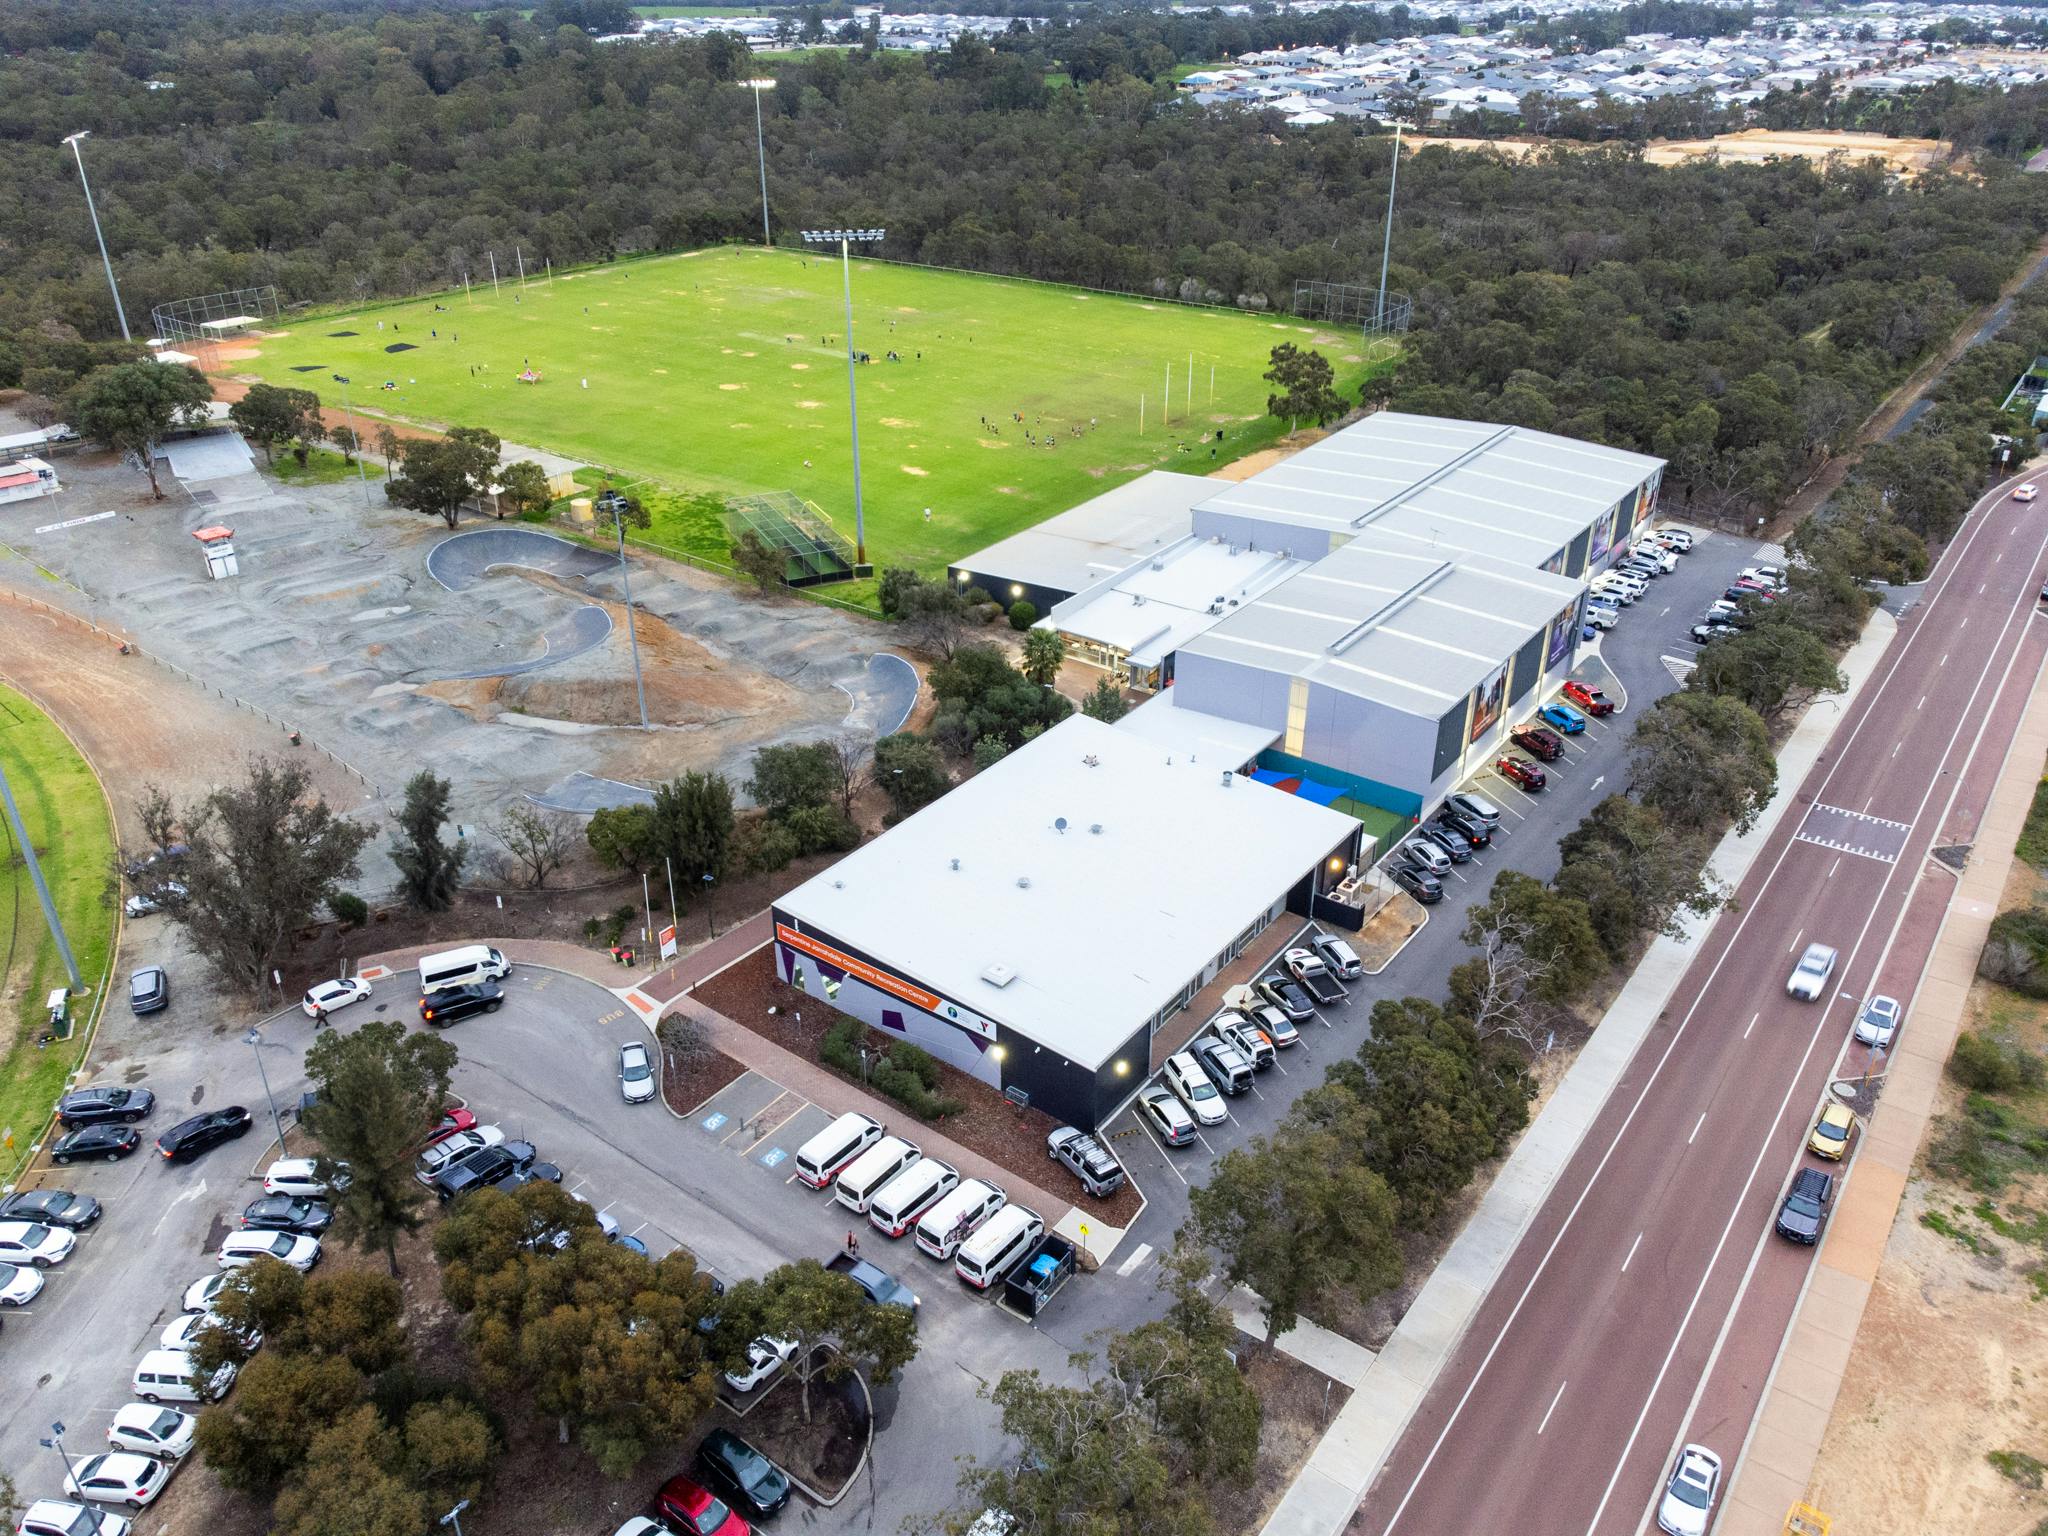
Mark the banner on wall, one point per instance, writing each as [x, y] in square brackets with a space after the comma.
[1488, 699]
[882, 981]
[1603, 538]
[1562, 628]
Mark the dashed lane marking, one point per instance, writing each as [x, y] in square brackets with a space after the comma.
[1632, 1247]
[1553, 1407]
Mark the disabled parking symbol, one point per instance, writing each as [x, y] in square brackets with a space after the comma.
[772, 1157]
[712, 1122]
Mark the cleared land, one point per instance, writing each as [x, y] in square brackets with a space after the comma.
[723, 371]
[1905, 157]
[65, 816]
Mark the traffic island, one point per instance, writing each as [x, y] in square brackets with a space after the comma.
[824, 1455]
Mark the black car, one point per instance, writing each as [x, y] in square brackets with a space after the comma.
[51, 1207]
[1805, 1210]
[96, 1106]
[539, 1173]
[1425, 888]
[286, 1213]
[111, 1142]
[149, 990]
[484, 1167]
[1285, 993]
[1456, 844]
[1476, 833]
[1538, 742]
[444, 1007]
[746, 1477]
[188, 1138]
[1087, 1159]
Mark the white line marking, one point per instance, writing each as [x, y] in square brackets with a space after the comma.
[1834, 866]
[1944, 660]
[1752, 1024]
[1795, 942]
[1138, 1256]
[1895, 748]
[1552, 1408]
[1632, 1247]
[1696, 1127]
[1923, 700]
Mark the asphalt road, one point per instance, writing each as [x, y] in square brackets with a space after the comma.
[1649, 1297]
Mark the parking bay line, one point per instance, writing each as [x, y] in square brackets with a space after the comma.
[1138, 1256]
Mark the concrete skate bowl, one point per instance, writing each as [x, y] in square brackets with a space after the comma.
[464, 561]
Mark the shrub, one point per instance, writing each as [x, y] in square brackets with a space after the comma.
[841, 1046]
[1987, 1063]
[976, 597]
[907, 1074]
[2015, 951]
[1023, 614]
[349, 908]
[592, 927]
[819, 829]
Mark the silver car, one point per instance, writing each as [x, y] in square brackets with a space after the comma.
[1810, 976]
[636, 1072]
[1689, 1496]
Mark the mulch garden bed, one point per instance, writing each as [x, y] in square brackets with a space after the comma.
[1007, 1136]
[687, 1081]
[823, 1454]
[1299, 1402]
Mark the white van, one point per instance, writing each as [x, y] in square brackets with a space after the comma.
[1003, 1239]
[166, 1376]
[460, 967]
[910, 1194]
[942, 1229]
[866, 1174]
[822, 1159]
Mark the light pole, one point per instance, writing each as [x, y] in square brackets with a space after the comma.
[55, 1442]
[710, 917]
[35, 875]
[1387, 240]
[105, 261]
[454, 1517]
[615, 503]
[362, 474]
[761, 149]
[254, 1040]
[844, 238]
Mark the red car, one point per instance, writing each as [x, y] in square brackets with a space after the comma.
[1523, 772]
[451, 1121]
[1591, 700]
[1537, 742]
[694, 1512]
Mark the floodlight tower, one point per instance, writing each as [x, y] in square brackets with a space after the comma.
[761, 150]
[844, 239]
[1387, 240]
[105, 261]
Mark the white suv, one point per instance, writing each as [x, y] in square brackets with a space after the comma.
[1191, 1085]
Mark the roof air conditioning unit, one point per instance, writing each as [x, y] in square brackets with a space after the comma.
[1023, 882]
[1095, 827]
[998, 975]
[954, 862]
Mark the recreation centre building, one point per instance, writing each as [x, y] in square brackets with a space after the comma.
[1335, 642]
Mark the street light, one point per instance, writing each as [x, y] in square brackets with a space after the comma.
[1387, 240]
[761, 149]
[844, 238]
[54, 1441]
[454, 1517]
[614, 502]
[361, 474]
[710, 916]
[254, 1040]
[79, 155]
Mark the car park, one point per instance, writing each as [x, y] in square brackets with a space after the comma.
[1657, 555]
[1537, 742]
[1191, 1085]
[191, 1138]
[150, 1430]
[103, 1143]
[1561, 718]
[293, 1248]
[693, 1511]
[829, 1153]
[636, 1072]
[51, 1207]
[1278, 1027]
[1086, 1159]
[327, 996]
[1588, 698]
[182, 1332]
[1747, 589]
[765, 1356]
[1677, 538]
[60, 1517]
[1810, 977]
[1454, 846]
[1253, 1042]
[286, 1213]
[1425, 888]
[448, 1005]
[302, 1176]
[1519, 770]
[1689, 1495]
[1617, 589]
[1878, 1021]
[1830, 1138]
[149, 990]
[1804, 1210]
[1769, 580]
[742, 1474]
[102, 1103]
[1473, 806]
[1287, 996]
[484, 1168]
[35, 1242]
[19, 1285]
[1165, 1114]
[1227, 1066]
[1643, 566]
[443, 1154]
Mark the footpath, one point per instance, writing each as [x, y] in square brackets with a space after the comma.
[1322, 1498]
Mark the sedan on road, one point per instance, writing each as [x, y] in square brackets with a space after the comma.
[286, 1213]
[1519, 770]
[152, 1431]
[34, 1242]
[189, 1138]
[1878, 1021]
[1537, 742]
[636, 1072]
[1171, 1123]
[98, 1105]
[301, 1252]
[142, 903]
[449, 1004]
[149, 990]
[1830, 1138]
[1559, 717]
[52, 1207]
[303, 1177]
[2025, 492]
[327, 996]
[107, 1143]
[1689, 1496]
[1810, 977]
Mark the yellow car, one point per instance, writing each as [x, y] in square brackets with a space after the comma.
[1830, 1138]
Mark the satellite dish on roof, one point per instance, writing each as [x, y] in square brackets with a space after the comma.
[1059, 823]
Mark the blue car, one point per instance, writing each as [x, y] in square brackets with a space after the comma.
[1570, 721]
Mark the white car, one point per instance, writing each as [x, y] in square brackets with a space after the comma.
[765, 1356]
[1878, 1021]
[1689, 1496]
[1674, 538]
[152, 1431]
[2025, 493]
[19, 1285]
[636, 1072]
[299, 1176]
[1810, 976]
[1663, 558]
[331, 995]
[60, 1517]
[183, 1331]
[31, 1242]
[119, 1477]
[1763, 576]
[1600, 616]
[1616, 589]
[443, 1155]
[141, 904]
[1192, 1086]
[200, 1293]
[286, 1247]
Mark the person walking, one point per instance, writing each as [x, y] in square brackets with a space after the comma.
[319, 1017]
[852, 1244]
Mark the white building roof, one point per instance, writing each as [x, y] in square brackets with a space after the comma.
[1097, 539]
[1100, 928]
[1194, 736]
[1164, 600]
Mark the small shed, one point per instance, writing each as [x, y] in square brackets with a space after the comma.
[218, 543]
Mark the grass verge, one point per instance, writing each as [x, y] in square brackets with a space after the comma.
[322, 467]
[2033, 843]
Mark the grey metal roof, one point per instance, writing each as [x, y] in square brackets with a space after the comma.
[1098, 538]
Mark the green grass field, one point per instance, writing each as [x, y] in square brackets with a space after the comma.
[723, 371]
[66, 818]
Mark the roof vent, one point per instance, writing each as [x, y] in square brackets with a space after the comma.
[1227, 777]
[1059, 824]
[1023, 882]
[838, 885]
[1092, 760]
[1095, 827]
[954, 862]
[998, 975]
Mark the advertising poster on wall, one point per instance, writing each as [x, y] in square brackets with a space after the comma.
[1603, 539]
[1555, 564]
[1487, 701]
[1561, 630]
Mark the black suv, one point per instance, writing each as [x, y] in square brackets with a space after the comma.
[188, 1138]
[1805, 1210]
[1424, 887]
[286, 1213]
[1456, 844]
[742, 1474]
[444, 1007]
[486, 1166]
[1474, 831]
[97, 1106]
